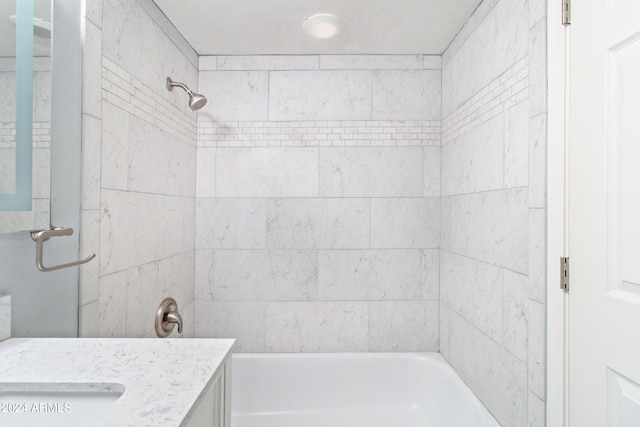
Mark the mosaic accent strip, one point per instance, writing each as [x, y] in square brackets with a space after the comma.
[367, 133]
[501, 94]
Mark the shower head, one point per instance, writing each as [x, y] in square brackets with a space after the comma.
[196, 101]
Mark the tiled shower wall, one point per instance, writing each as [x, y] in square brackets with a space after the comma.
[492, 268]
[318, 209]
[139, 159]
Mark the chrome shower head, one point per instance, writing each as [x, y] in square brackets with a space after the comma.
[196, 100]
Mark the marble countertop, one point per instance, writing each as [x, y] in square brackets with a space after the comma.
[162, 378]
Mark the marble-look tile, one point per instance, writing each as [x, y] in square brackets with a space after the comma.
[516, 146]
[319, 223]
[112, 305]
[537, 11]
[371, 62]
[407, 95]
[432, 62]
[5, 317]
[491, 227]
[92, 69]
[159, 162]
[244, 321]
[88, 289]
[206, 172]
[473, 290]
[7, 170]
[404, 326]
[267, 172]
[370, 275]
[234, 95]
[91, 162]
[93, 11]
[149, 284]
[153, 58]
[205, 265]
[497, 377]
[273, 275]
[537, 348]
[188, 319]
[207, 63]
[538, 67]
[536, 411]
[405, 223]
[115, 147]
[431, 165]
[515, 308]
[538, 255]
[230, 224]
[371, 172]
[317, 327]
[430, 274]
[468, 28]
[134, 231]
[268, 62]
[498, 42]
[474, 161]
[320, 95]
[538, 161]
[445, 331]
[89, 320]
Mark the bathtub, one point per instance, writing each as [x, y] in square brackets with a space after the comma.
[351, 390]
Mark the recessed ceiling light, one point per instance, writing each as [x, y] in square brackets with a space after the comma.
[322, 26]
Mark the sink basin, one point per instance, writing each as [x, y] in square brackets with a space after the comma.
[57, 404]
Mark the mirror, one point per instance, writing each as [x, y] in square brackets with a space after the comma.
[25, 114]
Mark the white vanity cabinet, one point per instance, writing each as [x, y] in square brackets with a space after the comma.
[213, 407]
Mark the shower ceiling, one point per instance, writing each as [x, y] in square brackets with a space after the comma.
[260, 27]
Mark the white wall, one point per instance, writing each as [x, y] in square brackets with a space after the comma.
[492, 267]
[317, 219]
[139, 157]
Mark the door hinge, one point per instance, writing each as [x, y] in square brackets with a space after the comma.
[564, 273]
[566, 12]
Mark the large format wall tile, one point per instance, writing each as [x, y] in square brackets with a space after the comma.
[317, 326]
[366, 275]
[230, 223]
[405, 223]
[267, 172]
[496, 44]
[371, 172]
[491, 226]
[234, 95]
[320, 95]
[244, 321]
[134, 231]
[474, 161]
[317, 223]
[404, 326]
[404, 94]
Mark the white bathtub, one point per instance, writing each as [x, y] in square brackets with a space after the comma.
[351, 390]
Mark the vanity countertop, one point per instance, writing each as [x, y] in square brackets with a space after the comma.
[162, 378]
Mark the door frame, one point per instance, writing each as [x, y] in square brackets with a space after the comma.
[558, 60]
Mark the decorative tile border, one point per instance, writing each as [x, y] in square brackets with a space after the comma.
[41, 135]
[125, 91]
[367, 133]
[509, 89]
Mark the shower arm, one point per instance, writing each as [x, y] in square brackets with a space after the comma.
[171, 84]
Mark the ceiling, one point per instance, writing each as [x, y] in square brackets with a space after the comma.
[261, 27]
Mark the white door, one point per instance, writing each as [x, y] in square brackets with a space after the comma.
[604, 213]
